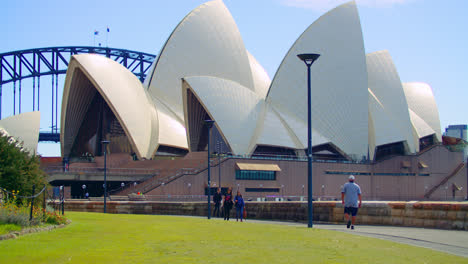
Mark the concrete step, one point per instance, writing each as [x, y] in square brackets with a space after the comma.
[118, 198]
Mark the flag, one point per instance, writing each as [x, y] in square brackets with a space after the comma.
[108, 30]
[96, 32]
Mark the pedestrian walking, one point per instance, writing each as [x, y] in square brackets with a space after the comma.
[217, 200]
[350, 194]
[227, 204]
[239, 201]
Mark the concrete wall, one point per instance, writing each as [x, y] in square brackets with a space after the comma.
[293, 176]
[443, 215]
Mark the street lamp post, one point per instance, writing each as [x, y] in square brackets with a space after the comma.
[219, 164]
[62, 198]
[308, 59]
[209, 124]
[105, 143]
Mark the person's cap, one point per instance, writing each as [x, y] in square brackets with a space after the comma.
[351, 177]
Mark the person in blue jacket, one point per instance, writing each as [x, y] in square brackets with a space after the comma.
[239, 201]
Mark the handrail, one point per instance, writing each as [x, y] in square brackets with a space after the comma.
[444, 180]
[62, 170]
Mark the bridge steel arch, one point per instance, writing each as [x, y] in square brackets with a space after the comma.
[16, 66]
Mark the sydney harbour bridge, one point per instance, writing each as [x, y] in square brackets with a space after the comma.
[24, 73]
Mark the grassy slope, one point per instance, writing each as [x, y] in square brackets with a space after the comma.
[99, 238]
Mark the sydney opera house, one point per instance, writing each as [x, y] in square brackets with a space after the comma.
[365, 121]
[360, 107]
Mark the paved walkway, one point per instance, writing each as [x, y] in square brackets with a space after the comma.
[449, 241]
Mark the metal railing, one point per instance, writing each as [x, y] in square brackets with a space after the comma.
[292, 158]
[100, 170]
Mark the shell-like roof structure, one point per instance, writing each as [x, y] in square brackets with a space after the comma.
[387, 89]
[423, 109]
[235, 108]
[23, 128]
[339, 81]
[89, 74]
[206, 42]
[204, 71]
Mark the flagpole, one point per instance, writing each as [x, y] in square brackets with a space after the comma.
[95, 33]
[107, 36]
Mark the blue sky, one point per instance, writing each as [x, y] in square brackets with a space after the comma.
[427, 39]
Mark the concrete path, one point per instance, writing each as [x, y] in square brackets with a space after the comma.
[449, 241]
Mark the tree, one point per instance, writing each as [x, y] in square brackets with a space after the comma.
[19, 170]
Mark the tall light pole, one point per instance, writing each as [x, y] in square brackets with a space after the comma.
[308, 59]
[105, 143]
[209, 124]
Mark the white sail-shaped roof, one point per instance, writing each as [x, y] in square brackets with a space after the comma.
[207, 42]
[24, 128]
[339, 80]
[293, 126]
[422, 103]
[121, 90]
[235, 109]
[385, 84]
[275, 131]
[260, 77]
[171, 127]
[382, 128]
[420, 126]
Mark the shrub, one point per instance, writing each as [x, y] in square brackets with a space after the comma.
[12, 213]
[19, 170]
[7, 228]
[55, 219]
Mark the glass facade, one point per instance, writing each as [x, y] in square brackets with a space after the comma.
[255, 175]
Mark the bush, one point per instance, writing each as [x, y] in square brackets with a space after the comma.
[55, 219]
[12, 213]
[7, 228]
[19, 170]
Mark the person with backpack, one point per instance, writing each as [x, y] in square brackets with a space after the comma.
[239, 201]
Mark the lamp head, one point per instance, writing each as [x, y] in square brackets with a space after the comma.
[105, 142]
[209, 123]
[308, 58]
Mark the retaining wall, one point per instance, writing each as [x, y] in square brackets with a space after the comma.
[442, 215]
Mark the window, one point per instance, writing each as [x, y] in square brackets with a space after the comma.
[347, 172]
[394, 174]
[255, 175]
[262, 189]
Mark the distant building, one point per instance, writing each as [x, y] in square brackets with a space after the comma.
[456, 131]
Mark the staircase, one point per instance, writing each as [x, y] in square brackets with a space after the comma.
[169, 170]
[444, 180]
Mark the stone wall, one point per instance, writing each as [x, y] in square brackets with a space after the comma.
[443, 215]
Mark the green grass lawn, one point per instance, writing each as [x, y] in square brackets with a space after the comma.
[100, 238]
[7, 228]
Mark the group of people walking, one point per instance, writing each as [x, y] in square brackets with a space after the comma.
[350, 197]
[226, 202]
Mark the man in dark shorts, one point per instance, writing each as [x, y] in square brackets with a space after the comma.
[350, 194]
